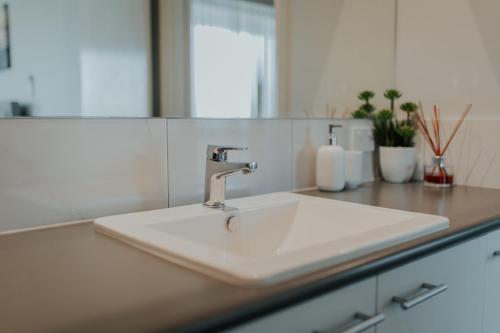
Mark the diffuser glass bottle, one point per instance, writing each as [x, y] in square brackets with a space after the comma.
[438, 173]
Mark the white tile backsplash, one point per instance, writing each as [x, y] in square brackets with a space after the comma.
[56, 170]
[268, 142]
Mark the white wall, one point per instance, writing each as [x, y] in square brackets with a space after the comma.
[448, 53]
[85, 57]
[330, 50]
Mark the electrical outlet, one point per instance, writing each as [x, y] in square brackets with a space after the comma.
[362, 139]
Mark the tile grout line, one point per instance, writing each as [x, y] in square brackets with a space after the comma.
[375, 312]
[45, 227]
[292, 152]
[167, 169]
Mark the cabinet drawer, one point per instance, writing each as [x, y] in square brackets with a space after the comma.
[437, 294]
[491, 318]
[328, 313]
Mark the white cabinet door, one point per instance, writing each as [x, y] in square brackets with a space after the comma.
[491, 316]
[458, 309]
[333, 312]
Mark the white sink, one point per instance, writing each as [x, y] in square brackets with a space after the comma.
[271, 237]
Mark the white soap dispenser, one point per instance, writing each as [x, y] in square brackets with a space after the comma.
[330, 165]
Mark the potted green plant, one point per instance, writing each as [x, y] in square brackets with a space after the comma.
[392, 95]
[395, 139]
[409, 108]
[366, 109]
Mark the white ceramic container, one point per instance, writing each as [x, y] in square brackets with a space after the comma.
[353, 168]
[330, 168]
[397, 163]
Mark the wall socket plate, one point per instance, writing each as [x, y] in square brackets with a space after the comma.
[361, 138]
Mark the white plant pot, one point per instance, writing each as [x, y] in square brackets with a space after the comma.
[397, 163]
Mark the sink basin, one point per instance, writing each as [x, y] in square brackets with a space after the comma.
[268, 238]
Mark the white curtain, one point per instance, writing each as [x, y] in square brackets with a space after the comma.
[233, 59]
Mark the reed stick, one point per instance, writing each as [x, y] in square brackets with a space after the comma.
[426, 137]
[434, 139]
[435, 127]
[457, 126]
[438, 124]
[422, 122]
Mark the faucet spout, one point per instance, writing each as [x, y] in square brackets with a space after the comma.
[246, 170]
[217, 170]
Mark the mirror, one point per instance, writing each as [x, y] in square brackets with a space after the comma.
[219, 58]
[76, 58]
[193, 58]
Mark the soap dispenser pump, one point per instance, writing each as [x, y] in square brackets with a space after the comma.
[330, 164]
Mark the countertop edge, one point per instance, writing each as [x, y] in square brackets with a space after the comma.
[308, 291]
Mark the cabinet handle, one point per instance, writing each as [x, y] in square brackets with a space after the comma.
[367, 322]
[432, 291]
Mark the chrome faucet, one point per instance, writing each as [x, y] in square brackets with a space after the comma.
[217, 169]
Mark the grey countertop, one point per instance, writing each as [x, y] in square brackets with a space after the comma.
[71, 279]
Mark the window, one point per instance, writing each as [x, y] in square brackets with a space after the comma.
[233, 59]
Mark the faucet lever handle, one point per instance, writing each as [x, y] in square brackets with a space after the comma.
[219, 153]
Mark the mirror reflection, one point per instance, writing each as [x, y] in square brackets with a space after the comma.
[192, 58]
[77, 58]
[229, 65]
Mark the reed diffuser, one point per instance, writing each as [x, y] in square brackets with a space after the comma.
[438, 173]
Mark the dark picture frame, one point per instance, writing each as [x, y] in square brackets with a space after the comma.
[5, 61]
